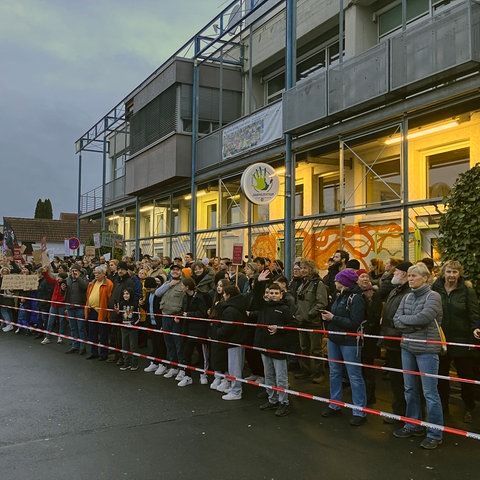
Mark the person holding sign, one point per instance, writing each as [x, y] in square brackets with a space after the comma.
[6, 302]
[57, 307]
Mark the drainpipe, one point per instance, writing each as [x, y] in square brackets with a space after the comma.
[290, 79]
[79, 204]
[193, 209]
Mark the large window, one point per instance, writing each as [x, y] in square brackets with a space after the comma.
[384, 181]
[389, 18]
[329, 193]
[234, 209]
[444, 168]
[181, 210]
[312, 61]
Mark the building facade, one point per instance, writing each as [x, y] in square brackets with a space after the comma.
[368, 111]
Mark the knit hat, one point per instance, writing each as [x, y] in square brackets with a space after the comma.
[346, 277]
[353, 263]
[361, 272]
[150, 282]
[404, 266]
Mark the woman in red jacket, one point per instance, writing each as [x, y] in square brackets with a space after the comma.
[57, 307]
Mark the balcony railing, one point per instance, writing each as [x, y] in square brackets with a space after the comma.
[439, 49]
[92, 200]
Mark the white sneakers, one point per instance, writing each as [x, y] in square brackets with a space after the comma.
[59, 340]
[179, 376]
[224, 385]
[232, 396]
[151, 368]
[172, 372]
[45, 341]
[186, 380]
[161, 369]
[8, 328]
[216, 382]
[203, 379]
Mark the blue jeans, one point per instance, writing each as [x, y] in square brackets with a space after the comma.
[78, 327]
[236, 360]
[56, 314]
[6, 315]
[174, 343]
[347, 353]
[276, 375]
[427, 363]
[43, 311]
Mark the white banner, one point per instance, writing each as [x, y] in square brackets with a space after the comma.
[254, 131]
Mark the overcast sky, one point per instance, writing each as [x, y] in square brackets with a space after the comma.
[64, 65]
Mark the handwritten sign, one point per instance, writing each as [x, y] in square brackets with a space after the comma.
[16, 281]
[90, 251]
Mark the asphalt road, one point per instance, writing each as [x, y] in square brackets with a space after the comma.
[62, 417]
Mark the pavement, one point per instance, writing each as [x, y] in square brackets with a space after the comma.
[62, 417]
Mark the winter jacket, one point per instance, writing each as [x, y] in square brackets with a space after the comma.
[105, 292]
[312, 297]
[416, 316]
[275, 313]
[385, 286]
[232, 310]
[205, 284]
[373, 313]
[44, 292]
[348, 316]
[5, 300]
[59, 290]
[194, 306]
[120, 284]
[171, 298]
[460, 313]
[76, 291]
[389, 310]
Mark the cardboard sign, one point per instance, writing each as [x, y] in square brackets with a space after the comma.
[16, 281]
[90, 251]
[237, 256]
[37, 257]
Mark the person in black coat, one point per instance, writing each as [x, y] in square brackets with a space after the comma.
[275, 313]
[194, 310]
[233, 309]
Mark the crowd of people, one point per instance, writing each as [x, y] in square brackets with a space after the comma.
[213, 316]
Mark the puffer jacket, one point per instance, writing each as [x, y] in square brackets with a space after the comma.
[312, 297]
[460, 312]
[416, 316]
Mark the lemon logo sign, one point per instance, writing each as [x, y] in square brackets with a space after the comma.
[260, 183]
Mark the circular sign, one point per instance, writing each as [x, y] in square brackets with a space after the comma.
[260, 183]
[73, 243]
